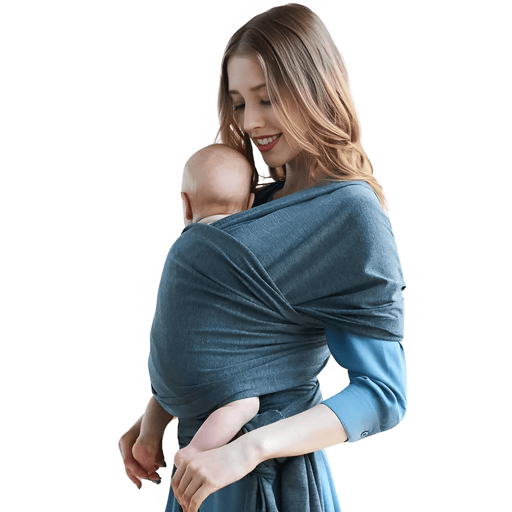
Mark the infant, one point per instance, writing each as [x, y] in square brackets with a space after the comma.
[216, 183]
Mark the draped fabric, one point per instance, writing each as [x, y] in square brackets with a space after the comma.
[242, 308]
[298, 479]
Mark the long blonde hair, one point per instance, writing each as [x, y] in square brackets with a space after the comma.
[309, 90]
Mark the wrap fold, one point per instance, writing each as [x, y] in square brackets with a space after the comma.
[243, 304]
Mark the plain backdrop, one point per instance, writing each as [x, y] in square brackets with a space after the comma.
[101, 104]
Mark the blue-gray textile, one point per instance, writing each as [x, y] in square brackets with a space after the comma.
[243, 308]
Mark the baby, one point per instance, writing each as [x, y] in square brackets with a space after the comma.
[216, 183]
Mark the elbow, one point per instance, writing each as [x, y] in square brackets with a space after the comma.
[396, 412]
[393, 392]
[392, 404]
[387, 398]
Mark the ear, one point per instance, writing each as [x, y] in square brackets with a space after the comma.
[187, 207]
[251, 200]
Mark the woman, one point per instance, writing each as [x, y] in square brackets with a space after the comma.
[284, 87]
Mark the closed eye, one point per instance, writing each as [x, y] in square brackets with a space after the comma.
[241, 106]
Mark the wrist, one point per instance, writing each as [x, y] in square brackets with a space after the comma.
[149, 440]
[155, 420]
[151, 433]
[253, 446]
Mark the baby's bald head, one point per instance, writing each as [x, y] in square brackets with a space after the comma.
[216, 180]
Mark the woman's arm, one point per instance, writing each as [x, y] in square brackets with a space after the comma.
[306, 432]
[141, 445]
[198, 477]
[373, 401]
[154, 422]
[220, 428]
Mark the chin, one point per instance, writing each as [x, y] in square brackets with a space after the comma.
[273, 162]
[277, 161]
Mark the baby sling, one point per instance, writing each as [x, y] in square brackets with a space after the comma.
[242, 308]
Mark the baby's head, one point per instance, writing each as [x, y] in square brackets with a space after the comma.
[216, 181]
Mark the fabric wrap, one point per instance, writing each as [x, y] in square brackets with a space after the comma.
[242, 308]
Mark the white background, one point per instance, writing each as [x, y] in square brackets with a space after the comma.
[102, 102]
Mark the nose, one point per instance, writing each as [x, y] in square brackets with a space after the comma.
[253, 119]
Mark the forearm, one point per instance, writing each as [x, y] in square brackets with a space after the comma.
[306, 432]
[154, 421]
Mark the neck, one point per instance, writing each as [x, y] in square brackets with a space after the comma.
[212, 218]
[297, 176]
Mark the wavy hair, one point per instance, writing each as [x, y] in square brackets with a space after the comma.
[309, 90]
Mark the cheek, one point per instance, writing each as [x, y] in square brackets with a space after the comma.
[272, 120]
[238, 117]
[291, 147]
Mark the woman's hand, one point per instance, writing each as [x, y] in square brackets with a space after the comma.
[199, 475]
[141, 459]
[150, 457]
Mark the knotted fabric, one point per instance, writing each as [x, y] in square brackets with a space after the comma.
[241, 311]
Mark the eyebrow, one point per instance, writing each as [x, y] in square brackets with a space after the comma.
[252, 89]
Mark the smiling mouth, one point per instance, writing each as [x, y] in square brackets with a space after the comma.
[267, 143]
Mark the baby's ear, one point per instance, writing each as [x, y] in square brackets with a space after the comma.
[251, 200]
[187, 207]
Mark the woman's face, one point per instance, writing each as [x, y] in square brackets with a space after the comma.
[254, 112]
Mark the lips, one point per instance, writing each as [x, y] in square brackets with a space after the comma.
[267, 143]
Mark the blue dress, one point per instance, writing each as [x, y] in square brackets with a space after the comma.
[358, 321]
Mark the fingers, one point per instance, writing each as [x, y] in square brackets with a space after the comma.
[197, 499]
[136, 480]
[132, 468]
[134, 471]
[179, 483]
[189, 492]
[154, 477]
[141, 460]
[148, 457]
[176, 479]
[160, 460]
[136, 474]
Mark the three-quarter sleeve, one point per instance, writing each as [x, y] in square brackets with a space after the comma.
[375, 399]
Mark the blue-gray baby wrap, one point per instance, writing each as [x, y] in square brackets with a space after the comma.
[245, 307]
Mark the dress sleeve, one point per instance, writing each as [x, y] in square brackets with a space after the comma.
[375, 399]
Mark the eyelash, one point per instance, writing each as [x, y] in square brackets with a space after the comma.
[239, 107]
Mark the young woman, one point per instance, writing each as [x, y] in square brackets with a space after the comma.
[327, 250]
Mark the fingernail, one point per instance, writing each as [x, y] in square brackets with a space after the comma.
[157, 481]
[164, 465]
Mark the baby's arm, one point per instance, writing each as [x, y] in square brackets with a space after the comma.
[221, 426]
